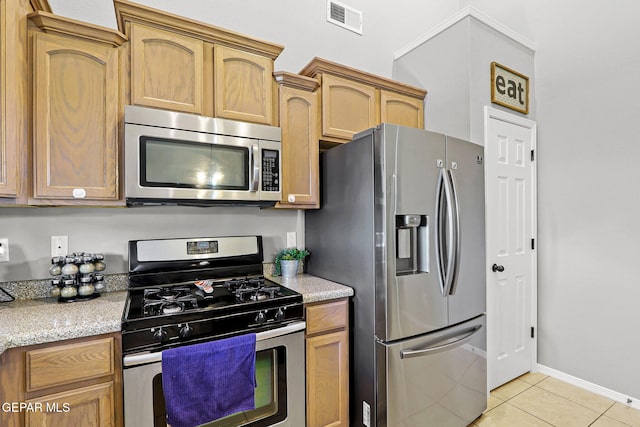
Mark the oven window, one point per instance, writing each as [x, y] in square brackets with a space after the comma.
[187, 164]
[270, 395]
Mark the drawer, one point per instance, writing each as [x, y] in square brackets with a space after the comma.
[326, 317]
[63, 364]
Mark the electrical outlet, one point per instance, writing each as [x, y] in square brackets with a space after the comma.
[4, 249]
[59, 245]
[291, 239]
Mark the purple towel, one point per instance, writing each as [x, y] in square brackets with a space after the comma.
[204, 382]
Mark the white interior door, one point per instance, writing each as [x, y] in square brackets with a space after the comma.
[511, 255]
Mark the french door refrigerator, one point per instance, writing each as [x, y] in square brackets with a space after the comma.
[402, 223]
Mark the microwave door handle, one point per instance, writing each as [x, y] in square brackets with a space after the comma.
[254, 169]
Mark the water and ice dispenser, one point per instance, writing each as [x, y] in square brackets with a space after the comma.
[412, 244]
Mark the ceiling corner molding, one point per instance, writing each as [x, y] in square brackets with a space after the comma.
[472, 12]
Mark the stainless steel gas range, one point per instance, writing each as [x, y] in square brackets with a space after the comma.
[189, 291]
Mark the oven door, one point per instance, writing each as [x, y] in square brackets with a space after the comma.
[176, 166]
[279, 395]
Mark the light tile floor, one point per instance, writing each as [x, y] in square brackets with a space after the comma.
[535, 400]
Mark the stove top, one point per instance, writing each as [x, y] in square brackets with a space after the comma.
[180, 295]
[157, 303]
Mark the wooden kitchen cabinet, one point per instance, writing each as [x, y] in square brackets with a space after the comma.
[185, 65]
[166, 69]
[76, 111]
[14, 128]
[327, 345]
[354, 100]
[401, 109]
[243, 85]
[69, 383]
[347, 107]
[299, 117]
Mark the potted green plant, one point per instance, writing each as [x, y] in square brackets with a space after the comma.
[287, 260]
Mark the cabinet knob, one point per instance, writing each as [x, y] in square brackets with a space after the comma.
[79, 193]
[291, 198]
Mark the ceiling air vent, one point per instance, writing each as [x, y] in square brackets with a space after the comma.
[344, 16]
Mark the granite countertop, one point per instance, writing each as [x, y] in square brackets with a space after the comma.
[36, 321]
[313, 288]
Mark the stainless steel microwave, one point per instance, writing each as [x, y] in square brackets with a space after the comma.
[186, 159]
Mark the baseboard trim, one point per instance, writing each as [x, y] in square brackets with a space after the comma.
[595, 388]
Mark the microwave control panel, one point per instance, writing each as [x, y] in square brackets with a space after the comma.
[270, 170]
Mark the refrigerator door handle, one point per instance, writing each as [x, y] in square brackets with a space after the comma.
[456, 234]
[451, 232]
[440, 233]
[436, 348]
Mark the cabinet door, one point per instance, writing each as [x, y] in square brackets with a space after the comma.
[166, 70]
[328, 380]
[91, 406]
[75, 110]
[348, 107]
[243, 85]
[299, 123]
[401, 109]
[13, 94]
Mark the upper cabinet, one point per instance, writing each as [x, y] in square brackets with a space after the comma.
[353, 100]
[76, 111]
[243, 85]
[299, 105]
[13, 99]
[186, 65]
[401, 109]
[348, 107]
[166, 69]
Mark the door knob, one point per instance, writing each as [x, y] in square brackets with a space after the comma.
[496, 267]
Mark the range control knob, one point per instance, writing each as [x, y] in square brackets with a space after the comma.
[159, 335]
[185, 330]
[279, 315]
[261, 318]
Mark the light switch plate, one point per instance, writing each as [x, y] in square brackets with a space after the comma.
[291, 239]
[4, 249]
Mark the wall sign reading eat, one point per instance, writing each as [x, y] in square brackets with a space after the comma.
[509, 88]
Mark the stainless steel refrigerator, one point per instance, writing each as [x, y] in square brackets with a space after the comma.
[402, 223]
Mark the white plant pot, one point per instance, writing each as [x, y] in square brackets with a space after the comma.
[289, 268]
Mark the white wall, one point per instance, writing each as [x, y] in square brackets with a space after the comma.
[299, 25]
[587, 68]
[455, 65]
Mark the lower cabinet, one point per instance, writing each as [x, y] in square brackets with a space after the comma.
[67, 383]
[327, 343]
[87, 406]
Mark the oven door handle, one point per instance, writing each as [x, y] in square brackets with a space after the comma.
[142, 359]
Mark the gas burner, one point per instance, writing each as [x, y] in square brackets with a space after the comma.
[168, 300]
[242, 284]
[256, 291]
[258, 296]
[172, 307]
[166, 294]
